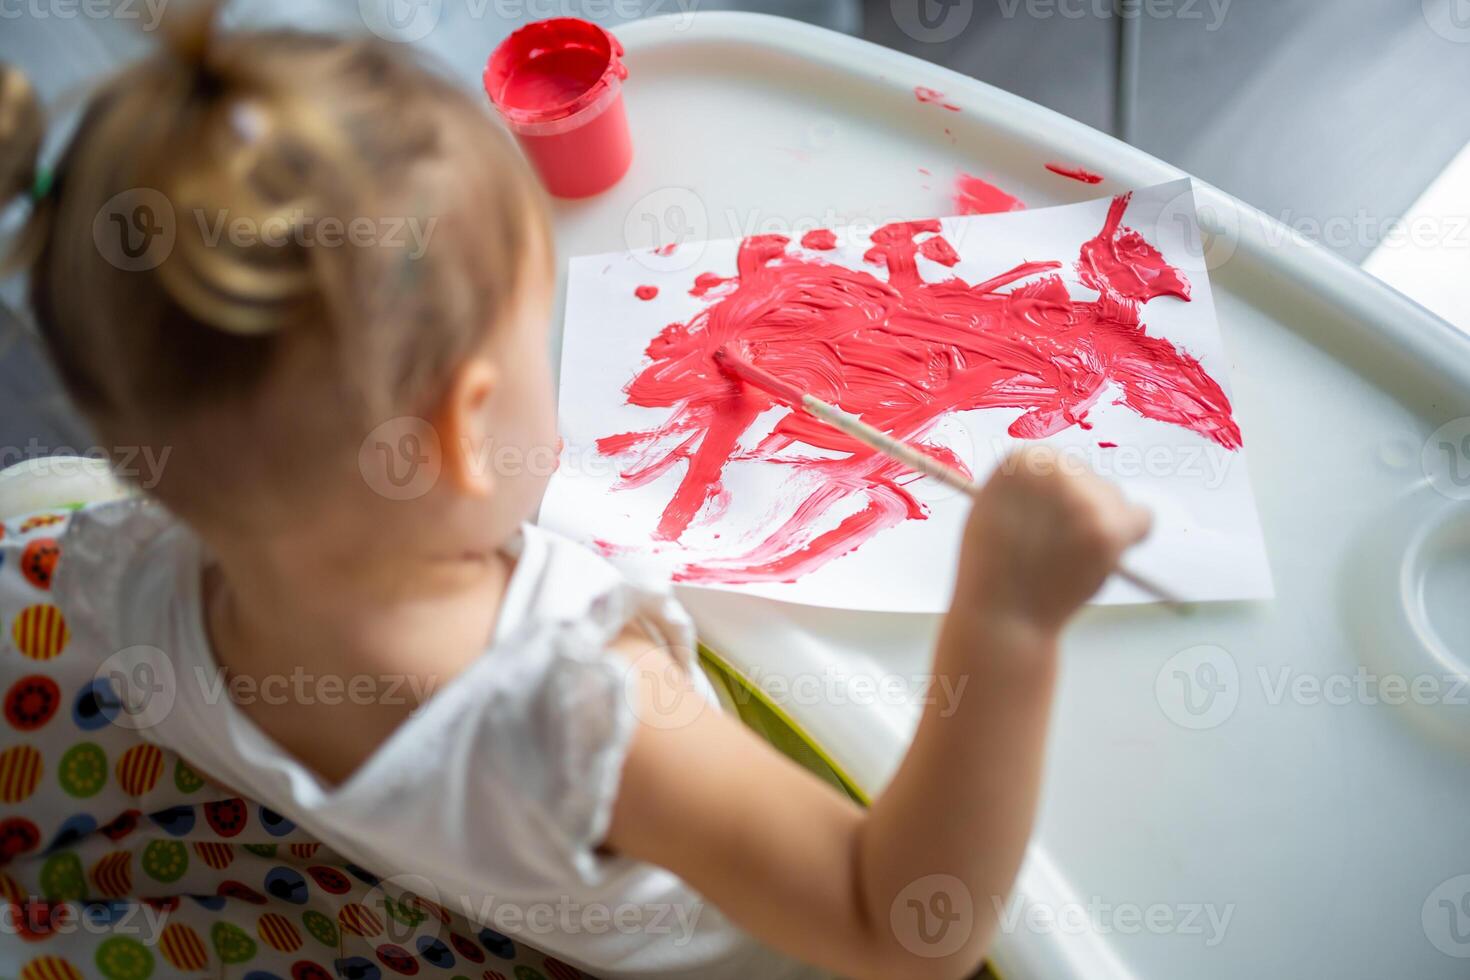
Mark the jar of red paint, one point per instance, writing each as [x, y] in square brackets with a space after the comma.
[558, 84]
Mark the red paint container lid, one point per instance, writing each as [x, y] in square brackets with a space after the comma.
[554, 75]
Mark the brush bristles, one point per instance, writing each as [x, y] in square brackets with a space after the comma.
[743, 370]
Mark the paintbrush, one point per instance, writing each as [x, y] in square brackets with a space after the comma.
[895, 449]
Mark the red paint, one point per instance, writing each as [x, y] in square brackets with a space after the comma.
[1121, 261]
[901, 354]
[1076, 173]
[665, 249]
[552, 79]
[735, 366]
[646, 292]
[1107, 445]
[933, 97]
[974, 196]
[936, 249]
[706, 281]
[558, 85]
[819, 239]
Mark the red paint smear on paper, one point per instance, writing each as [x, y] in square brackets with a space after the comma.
[707, 281]
[974, 196]
[901, 354]
[666, 249]
[1076, 173]
[733, 363]
[936, 249]
[933, 97]
[1121, 261]
[646, 292]
[1107, 445]
[819, 239]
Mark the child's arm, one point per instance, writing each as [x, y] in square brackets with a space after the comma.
[911, 887]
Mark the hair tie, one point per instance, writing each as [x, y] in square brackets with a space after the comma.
[41, 188]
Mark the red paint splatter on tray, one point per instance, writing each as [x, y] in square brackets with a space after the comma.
[902, 354]
[933, 97]
[975, 196]
[646, 292]
[1076, 173]
[819, 239]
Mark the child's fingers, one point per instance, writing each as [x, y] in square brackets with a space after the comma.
[1122, 523]
[1130, 523]
[1140, 522]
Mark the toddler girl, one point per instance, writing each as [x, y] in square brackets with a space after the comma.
[225, 268]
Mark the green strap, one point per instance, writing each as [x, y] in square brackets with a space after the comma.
[767, 719]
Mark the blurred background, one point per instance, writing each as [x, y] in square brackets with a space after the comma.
[1333, 117]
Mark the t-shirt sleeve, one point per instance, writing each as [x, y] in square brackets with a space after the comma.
[507, 783]
[557, 738]
[504, 780]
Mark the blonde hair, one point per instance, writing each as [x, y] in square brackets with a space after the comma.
[181, 270]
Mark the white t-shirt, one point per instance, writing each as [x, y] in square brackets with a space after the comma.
[491, 798]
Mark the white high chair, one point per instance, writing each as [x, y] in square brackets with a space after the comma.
[50, 482]
[68, 482]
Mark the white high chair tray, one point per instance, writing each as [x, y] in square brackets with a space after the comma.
[1191, 770]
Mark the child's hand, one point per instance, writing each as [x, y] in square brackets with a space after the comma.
[1042, 538]
[808, 872]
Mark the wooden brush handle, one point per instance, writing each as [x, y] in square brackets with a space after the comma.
[884, 443]
[880, 441]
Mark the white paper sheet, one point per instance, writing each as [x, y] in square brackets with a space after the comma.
[1206, 543]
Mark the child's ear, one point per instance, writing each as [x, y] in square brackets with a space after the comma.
[464, 427]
